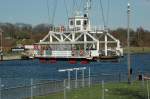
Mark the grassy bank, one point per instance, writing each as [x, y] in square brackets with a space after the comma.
[138, 50]
[136, 90]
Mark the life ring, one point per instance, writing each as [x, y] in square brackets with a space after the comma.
[35, 47]
[41, 52]
[73, 53]
[81, 52]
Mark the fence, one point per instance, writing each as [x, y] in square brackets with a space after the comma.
[104, 86]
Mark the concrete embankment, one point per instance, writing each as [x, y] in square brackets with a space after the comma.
[14, 57]
[138, 50]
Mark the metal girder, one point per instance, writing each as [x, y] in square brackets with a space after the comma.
[56, 37]
[63, 37]
[79, 36]
[69, 42]
[67, 37]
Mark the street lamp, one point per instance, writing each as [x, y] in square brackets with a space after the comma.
[128, 44]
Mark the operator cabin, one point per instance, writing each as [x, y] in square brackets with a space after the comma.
[79, 23]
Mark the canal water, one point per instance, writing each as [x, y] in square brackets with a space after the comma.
[14, 72]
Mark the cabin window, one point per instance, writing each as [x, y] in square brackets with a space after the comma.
[78, 22]
[85, 22]
[71, 22]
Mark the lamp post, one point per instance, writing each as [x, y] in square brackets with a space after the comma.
[128, 44]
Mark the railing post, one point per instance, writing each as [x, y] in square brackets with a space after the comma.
[148, 90]
[83, 78]
[31, 88]
[0, 88]
[103, 90]
[69, 79]
[89, 76]
[65, 89]
[76, 81]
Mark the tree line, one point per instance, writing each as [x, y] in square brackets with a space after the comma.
[138, 38]
[21, 33]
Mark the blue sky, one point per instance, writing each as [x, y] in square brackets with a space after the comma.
[35, 12]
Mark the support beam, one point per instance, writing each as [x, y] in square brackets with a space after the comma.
[85, 44]
[106, 44]
[53, 35]
[67, 37]
[51, 38]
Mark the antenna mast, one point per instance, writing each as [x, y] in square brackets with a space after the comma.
[87, 7]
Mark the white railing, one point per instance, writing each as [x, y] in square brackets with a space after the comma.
[77, 29]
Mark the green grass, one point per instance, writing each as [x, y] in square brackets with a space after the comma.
[115, 91]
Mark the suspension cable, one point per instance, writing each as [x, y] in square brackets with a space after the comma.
[103, 18]
[77, 5]
[54, 12]
[66, 8]
[48, 10]
[75, 1]
[81, 2]
[73, 7]
[108, 12]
